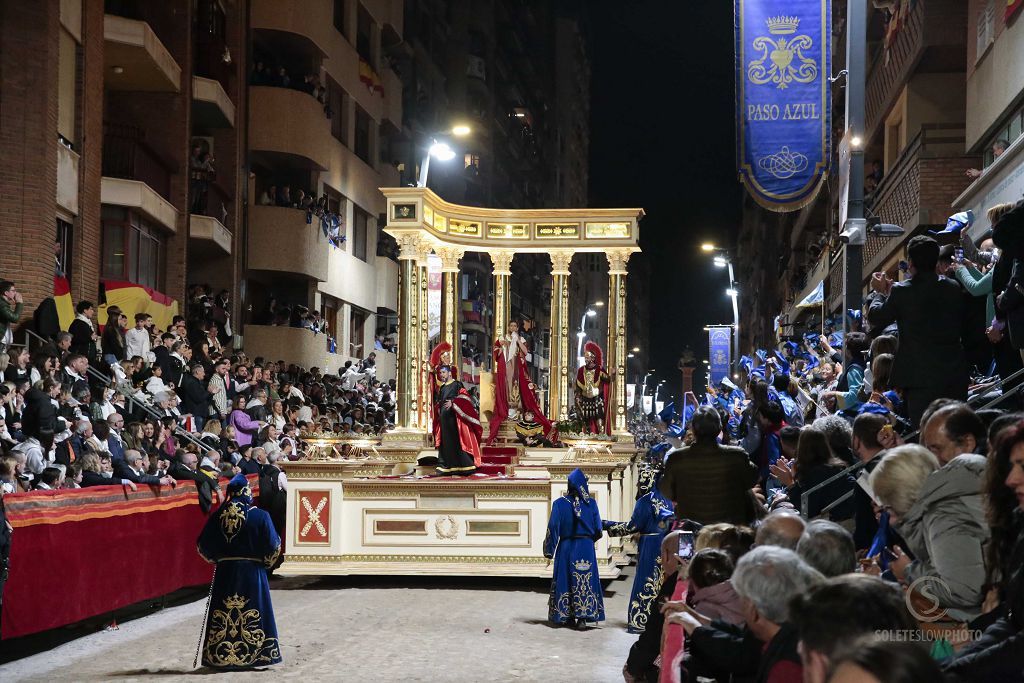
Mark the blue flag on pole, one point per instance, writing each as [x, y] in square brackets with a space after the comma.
[783, 104]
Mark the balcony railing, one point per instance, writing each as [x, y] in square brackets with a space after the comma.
[126, 155]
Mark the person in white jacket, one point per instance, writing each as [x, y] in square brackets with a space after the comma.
[137, 340]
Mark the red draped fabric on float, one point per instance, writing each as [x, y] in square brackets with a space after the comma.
[77, 553]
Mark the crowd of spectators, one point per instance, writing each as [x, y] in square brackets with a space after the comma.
[868, 517]
[331, 223]
[278, 77]
[148, 406]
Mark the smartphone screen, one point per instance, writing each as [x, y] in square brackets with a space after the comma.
[686, 545]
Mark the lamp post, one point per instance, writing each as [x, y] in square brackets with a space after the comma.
[723, 260]
[440, 150]
[582, 334]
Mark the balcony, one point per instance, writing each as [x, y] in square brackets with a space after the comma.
[209, 229]
[292, 344]
[288, 128]
[387, 284]
[211, 106]
[932, 40]
[280, 240]
[311, 22]
[135, 59]
[920, 188]
[67, 178]
[135, 194]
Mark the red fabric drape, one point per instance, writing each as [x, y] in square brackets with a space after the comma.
[79, 553]
[526, 394]
[673, 638]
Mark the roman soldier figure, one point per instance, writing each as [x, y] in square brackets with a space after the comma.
[592, 386]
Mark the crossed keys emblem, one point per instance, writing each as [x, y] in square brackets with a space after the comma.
[314, 517]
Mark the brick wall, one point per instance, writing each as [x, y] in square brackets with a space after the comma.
[28, 156]
[85, 262]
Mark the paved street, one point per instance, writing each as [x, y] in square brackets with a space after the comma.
[368, 629]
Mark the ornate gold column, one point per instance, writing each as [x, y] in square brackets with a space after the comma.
[615, 356]
[408, 324]
[558, 366]
[502, 269]
[450, 303]
[424, 336]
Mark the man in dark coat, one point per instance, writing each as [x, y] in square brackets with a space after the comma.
[195, 399]
[709, 482]
[83, 332]
[929, 311]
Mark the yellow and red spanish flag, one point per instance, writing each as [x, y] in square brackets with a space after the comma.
[132, 298]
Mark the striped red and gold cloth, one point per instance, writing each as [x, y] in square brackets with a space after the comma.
[130, 297]
[78, 553]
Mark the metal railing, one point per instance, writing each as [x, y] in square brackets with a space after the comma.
[130, 398]
[856, 467]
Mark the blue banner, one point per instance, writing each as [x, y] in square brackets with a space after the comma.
[720, 348]
[783, 105]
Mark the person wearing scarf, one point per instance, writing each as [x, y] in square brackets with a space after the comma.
[575, 525]
[651, 520]
[239, 538]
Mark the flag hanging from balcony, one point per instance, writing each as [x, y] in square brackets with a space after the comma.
[783, 105]
[815, 298]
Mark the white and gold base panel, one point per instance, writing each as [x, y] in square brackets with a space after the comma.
[340, 524]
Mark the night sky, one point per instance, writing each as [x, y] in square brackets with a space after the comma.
[662, 138]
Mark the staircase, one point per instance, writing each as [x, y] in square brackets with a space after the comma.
[499, 461]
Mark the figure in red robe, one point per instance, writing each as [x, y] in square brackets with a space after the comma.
[513, 390]
[457, 429]
[592, 386]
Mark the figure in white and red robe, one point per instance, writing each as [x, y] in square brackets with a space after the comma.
[457, 429]
[592, 388]
[513, 390]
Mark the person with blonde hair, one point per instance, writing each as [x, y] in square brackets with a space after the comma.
[939, 512]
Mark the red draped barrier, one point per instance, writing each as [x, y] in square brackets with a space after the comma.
[77, 553]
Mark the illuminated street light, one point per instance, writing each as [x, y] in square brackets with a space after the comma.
[707, 246]
[732, 292]
[721, 261]
[441, 150]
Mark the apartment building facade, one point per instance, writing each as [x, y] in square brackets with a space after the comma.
[918, 151]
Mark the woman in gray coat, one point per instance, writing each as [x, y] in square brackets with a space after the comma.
[940, 513]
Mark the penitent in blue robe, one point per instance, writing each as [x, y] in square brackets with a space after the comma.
[240, 539]
[652, 519]
[574, 527]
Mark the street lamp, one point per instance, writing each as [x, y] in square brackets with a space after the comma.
[724, 260]
[589, 313]
[440, 150]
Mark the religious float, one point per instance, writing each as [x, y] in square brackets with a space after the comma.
[372, 506]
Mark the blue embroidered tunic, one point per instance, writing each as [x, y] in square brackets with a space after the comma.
[574, 527]
[240, 539]
[652, 519]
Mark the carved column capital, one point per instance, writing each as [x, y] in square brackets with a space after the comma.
[502, 262]
[424, 251]
[450, 257]
[617, 260]
[409, 246]
[560, 261]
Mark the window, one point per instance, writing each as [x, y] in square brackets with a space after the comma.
[65, 237]
[329, 310]
[131, 248]
[67, 66]
[364, 37]
[362, 141]
[360, 223]
[1009, 130]
[337, 103]
[339, 16]
[356, 322]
